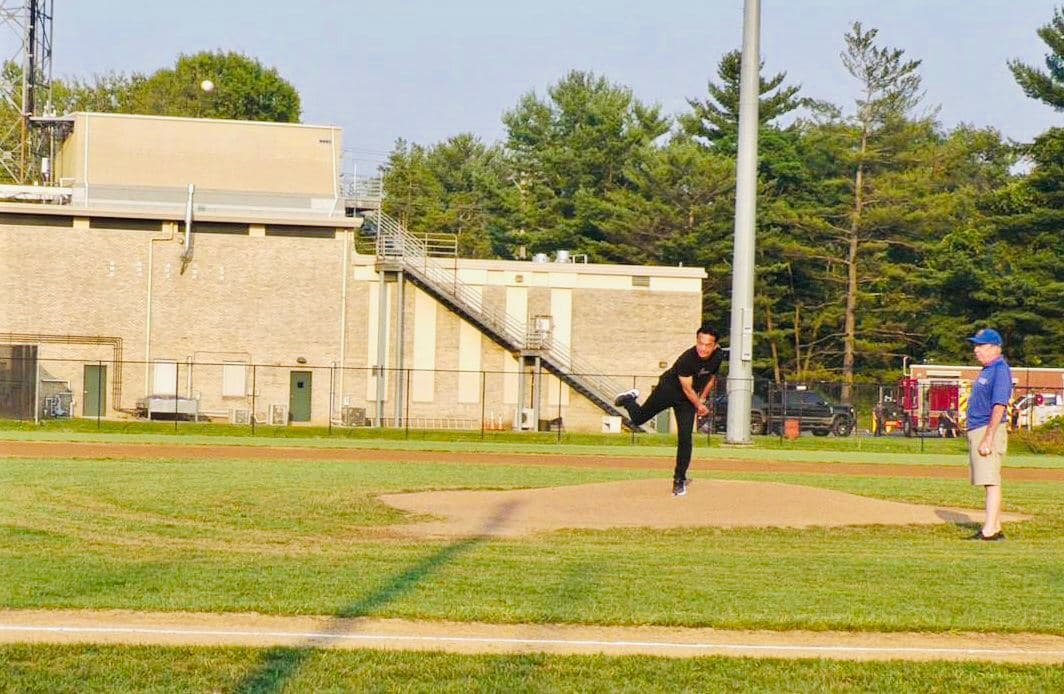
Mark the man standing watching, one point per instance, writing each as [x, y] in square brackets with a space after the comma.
[684, 387]
[987, 435]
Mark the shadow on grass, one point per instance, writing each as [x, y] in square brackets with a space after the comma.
[279, 665]
[959, 519]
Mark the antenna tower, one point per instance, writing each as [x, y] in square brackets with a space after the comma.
[27, 115]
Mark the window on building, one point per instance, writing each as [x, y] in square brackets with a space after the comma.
[234, 378]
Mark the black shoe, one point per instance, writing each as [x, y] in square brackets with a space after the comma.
[625, 397]
[679, 487]
[996, 537]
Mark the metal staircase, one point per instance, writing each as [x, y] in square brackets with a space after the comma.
[398, 249]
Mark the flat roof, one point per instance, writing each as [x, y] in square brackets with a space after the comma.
[527, 266]
[171, 214]
[188, 119]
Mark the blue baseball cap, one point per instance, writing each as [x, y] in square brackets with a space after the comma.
[986, 336]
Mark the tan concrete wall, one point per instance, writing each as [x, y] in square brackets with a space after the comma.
[128, 150]
[275, 301]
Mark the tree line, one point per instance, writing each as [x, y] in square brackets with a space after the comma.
[881, 234]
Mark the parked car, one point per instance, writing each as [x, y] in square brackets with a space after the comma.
[813, 411]
[718, 417]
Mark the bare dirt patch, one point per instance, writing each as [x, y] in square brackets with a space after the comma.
[649, 504]
[712, 460]
[266, 631]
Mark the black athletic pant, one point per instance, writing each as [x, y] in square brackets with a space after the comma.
[662, 398]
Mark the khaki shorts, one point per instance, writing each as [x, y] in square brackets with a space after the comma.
[986, 469]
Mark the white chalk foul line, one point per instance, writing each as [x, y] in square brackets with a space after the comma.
[326, 636]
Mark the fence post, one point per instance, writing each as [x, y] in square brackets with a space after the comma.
[99, 393]
[483, 377]
[37, 388]
[783, 409]
[177, 389]
[332, 393]
[406, 403]
[631, 426]
[559, 410]
[253, 384]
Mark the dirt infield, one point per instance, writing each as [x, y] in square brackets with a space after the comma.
[647, 504]
[263, 631]
[711, 461]
[637, 503]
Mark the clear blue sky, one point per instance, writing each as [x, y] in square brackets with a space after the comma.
[424, 70]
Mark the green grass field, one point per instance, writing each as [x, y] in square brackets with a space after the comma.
[303, 538]
[291, 537]
[109, 669]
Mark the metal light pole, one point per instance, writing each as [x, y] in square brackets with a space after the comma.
[740, 360]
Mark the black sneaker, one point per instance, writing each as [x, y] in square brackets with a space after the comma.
[679, 487]
[996, 537]
[625, 397]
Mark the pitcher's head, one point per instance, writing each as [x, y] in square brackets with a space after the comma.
[706, 340]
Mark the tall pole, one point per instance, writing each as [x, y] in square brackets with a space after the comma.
[29, 78]
[740, 360]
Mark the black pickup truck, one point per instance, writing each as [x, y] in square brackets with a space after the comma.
[814, 413]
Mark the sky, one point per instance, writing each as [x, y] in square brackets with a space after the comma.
[426, 70]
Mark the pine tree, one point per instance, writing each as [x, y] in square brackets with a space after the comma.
[1046, 86]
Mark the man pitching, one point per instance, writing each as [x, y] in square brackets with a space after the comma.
[684, 387]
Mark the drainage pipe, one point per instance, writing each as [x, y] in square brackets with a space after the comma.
[345, 268]
[147, 302]
[186, 254]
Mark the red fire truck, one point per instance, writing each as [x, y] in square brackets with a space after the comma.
[920, 406]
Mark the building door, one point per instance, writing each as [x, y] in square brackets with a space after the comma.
[94, 393]
[299, 396]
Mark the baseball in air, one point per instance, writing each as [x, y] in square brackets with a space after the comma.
[206, 85]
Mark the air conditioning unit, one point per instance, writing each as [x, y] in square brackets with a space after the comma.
[278, 415]
[240, 416]
[353, 416]
[525, 419]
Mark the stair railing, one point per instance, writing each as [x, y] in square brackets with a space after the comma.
[395, 243]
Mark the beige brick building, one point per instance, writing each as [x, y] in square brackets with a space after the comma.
[269, 307]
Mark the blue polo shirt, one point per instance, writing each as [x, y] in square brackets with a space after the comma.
[993, 386]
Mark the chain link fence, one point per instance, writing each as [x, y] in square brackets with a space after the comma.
[239, 393]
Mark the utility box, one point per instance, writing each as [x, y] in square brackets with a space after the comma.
[611, 424]
[168, 407]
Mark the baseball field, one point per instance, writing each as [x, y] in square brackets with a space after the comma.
[177, 563]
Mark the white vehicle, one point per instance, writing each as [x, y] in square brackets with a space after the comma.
[1035, 409]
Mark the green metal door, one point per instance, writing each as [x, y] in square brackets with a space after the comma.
[94, 394]
[299, 397]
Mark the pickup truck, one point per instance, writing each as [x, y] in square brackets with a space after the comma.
[814, 413]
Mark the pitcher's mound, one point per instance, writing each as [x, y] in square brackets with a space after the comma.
[648, 504]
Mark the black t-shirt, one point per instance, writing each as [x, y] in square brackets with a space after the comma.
[690, 364]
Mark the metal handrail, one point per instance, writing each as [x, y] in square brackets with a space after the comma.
[397, 244]
[362, 187]
[441, 245]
